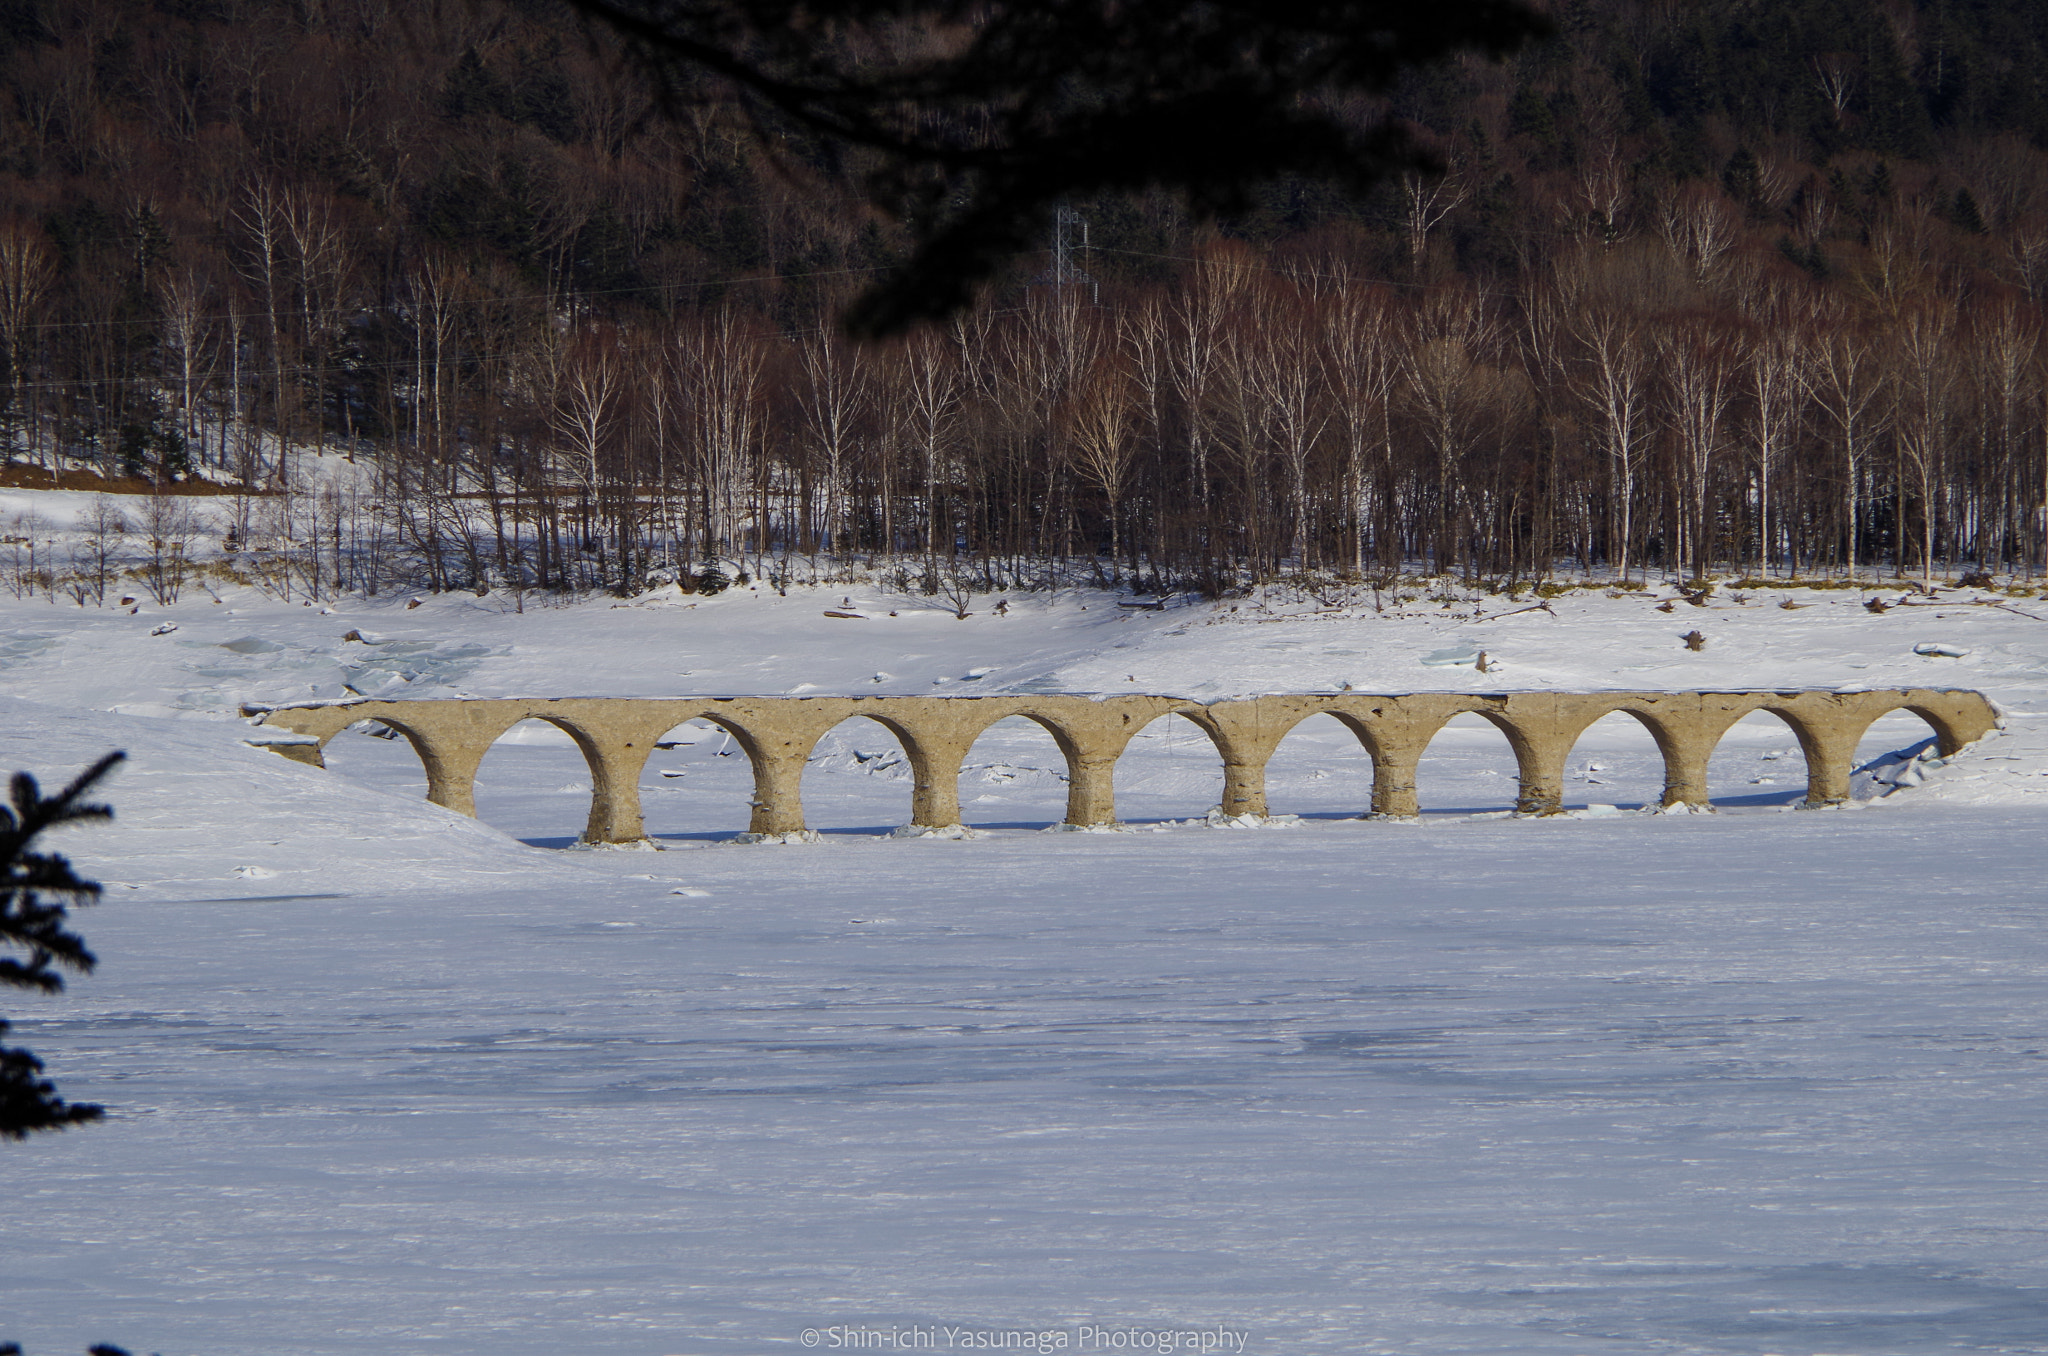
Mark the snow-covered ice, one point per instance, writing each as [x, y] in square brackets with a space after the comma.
[383, 1079]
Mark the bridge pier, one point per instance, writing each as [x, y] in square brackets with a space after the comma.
[1245, 740]
[1541, 766]
[1393, 782]
[615, 791]
[1091, 791]
[1686, 771]
[935, 795]
[451, 772]
[778, 806]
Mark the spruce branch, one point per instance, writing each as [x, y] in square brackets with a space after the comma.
[37, 890]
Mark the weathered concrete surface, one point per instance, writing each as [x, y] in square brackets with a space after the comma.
[778, 733]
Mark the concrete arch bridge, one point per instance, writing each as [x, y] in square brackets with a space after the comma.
[617, 734]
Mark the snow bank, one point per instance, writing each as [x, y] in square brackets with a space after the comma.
[197, 809]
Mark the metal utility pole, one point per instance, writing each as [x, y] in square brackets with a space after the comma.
[1064, 271]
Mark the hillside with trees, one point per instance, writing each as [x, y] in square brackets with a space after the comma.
[1705, 287]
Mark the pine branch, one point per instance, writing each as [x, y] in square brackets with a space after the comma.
[29, 1102]
[974, 120]
[29, 920]
[36, 889]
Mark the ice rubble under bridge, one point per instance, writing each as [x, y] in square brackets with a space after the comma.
[778, 734]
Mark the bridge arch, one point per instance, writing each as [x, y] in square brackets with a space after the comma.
[1162, 776]
[536, 772]
[1293, 718]
[1021, 787]
[422, 747]
[1890, 743]
[1521, 749]
[916, 761]
[448, 755]
[698, 795]
[1739, 746]
[1308, 736]
[1671, 750]
[1063, 738]
[385, 753]
[749, 744]
[1950, 737]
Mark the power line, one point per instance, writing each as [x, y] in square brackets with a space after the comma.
[222, 317]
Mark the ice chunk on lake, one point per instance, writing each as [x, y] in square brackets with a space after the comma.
[1942, 648]
[1458, 656]
[1898, 770]
[947, 832]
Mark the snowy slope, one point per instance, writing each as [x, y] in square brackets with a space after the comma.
[387, 1080]
[248, 648]
[199, 814]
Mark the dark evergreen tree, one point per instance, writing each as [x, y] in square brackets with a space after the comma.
[1966, 214]
[36, 889]
[1740, 176]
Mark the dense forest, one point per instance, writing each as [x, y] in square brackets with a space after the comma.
[1752, 286]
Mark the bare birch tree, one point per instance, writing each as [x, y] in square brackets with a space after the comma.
[186, 301]
[26, 273]
[1699, 378]
[1771, 380]
[1286, 371]
[1100, 418]
[1612, 381]
[721, 361]
[1844, 377]
[1361, 343]
[1924, 422]
[832, 394]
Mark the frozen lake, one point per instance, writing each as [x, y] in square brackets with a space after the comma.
[1728, 1084]
[386, 1081]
